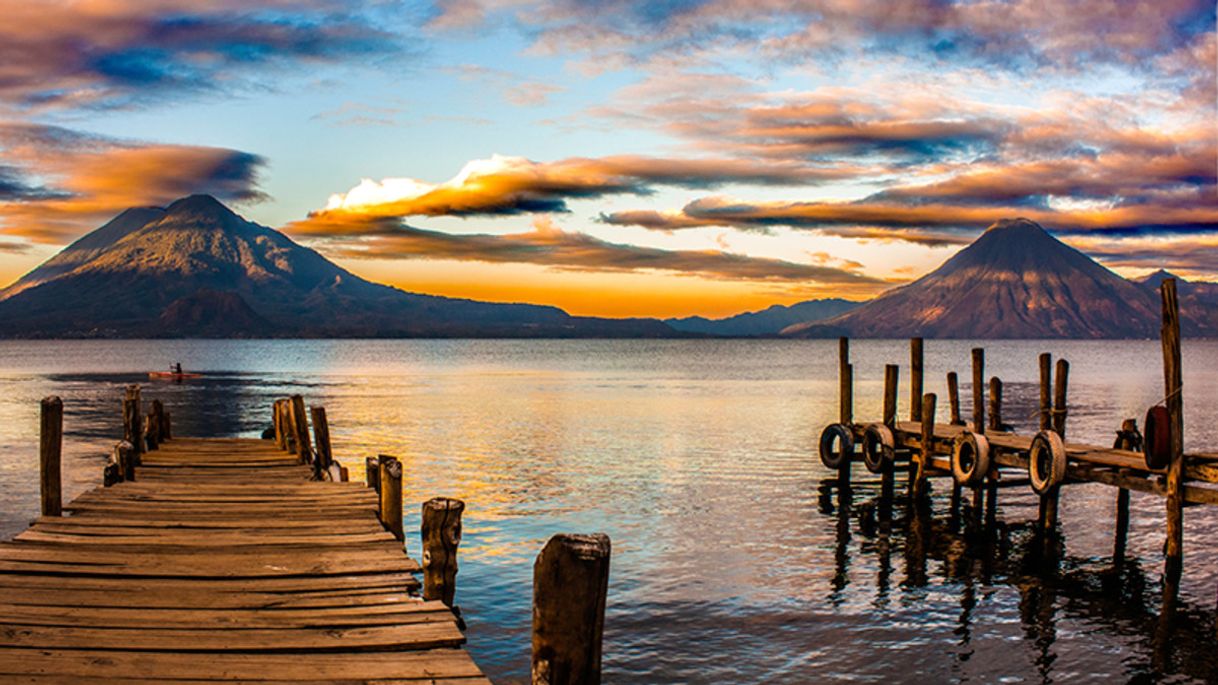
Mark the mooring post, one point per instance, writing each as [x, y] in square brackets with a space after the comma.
[391, 496]
[979, 390]
[1049, 500]
[158, 410]
[1046, 385]
[300, 423]
[50, 455]
[133, 423]
[953, 399]
[570, 583]
[1173, 382]
[372, 473]
[124, 456]
[918, 482]
[280, 422]
[995, 419]
[995, 404]
[441, 532]
[845, 409]
[167, 426]
[321, 433]
[152, 433]
[915, 379]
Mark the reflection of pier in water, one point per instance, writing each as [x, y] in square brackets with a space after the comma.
[978, 551]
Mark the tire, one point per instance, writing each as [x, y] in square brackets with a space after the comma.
[970, 459]
[1046, 461]
[1156, 441]
[841, 435]
[879, 448]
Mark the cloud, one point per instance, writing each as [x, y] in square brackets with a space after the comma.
[78, 53]
[548, 245]
[1186, 255]
[515, 185]
[83, 179]
[514, 89]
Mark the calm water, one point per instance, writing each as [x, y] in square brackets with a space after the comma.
[732, 562]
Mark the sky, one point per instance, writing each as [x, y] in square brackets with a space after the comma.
[620, 158]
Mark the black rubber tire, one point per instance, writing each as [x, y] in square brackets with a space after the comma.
[879, 448]
[970, 459]
[841, 434]
[1156, 438]
[1046, 461]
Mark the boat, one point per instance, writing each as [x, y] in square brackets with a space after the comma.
[172, 375]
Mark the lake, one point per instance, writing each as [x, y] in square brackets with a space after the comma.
[732, 561]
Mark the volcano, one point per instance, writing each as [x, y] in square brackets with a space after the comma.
[1015, 281]
[197, 269]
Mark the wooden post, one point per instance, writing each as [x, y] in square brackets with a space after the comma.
[953, 399]
[845, 408]
[570, 581]
[978, 390]
[372, 472]
[1173, 382]
[1061, 378]
[158, 411]
[280, 422]
[995, 403]
[915, 379]
[1046, 383]
[892, 375]
[300, 425]
[152, 434]
[133, 423]
[124, 456]
[321, 432]
[50, 454]
[918, 482]
[1121, 534]
[167, 426]
[391, 496]
[441, 532]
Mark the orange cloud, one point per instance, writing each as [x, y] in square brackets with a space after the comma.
[73, 181]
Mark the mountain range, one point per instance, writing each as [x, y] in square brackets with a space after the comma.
[196, 269]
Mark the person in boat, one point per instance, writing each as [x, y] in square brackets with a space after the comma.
[177, 368]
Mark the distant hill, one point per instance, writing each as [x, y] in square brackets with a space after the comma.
[1014, 281]
[1198, 302]
[196, 269]
[767, 321]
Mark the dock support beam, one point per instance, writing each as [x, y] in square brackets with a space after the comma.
[50, 454]
[441, 532]
[845, 411]
[570, 581]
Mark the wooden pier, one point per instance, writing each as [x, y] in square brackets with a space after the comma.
[245, 560]
[983, 456]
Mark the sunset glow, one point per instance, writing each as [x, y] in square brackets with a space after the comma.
[705, 157]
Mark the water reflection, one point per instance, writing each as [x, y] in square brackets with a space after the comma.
[734, 559]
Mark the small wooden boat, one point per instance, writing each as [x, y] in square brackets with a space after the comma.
[172, 375]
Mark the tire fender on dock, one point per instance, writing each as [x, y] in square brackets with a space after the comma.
[840, 435]
[1046, 461]
[970, 458]
[879, 448]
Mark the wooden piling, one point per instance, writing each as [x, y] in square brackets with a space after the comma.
[978, 390]
[167, 426]
[300, 426]
[953, 398]
[991, 485]
[391, 496]
[152, 433]
[372, 473]
[321, 434]
[124, 456]
[918, 482]
[1046, 385]
[995, 404]
[1047, 514]
[570, 582]
[158, 412]
[279, 418]
[441, 532]
[1173, 383]
[1060, 411]
[133, 422]
[845, 408]
[915, 379]
[50, 456]
[892, 375]
[1121, 531]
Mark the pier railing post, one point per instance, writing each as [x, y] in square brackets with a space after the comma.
[570, 583]
[441, 532]
[372, 473]
[1173, 551]
[133, 423]
[50, 455]
[391, 496]
[280, 420]
[915, 379]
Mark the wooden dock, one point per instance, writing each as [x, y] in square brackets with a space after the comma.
[982, 456]
[222, 560]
